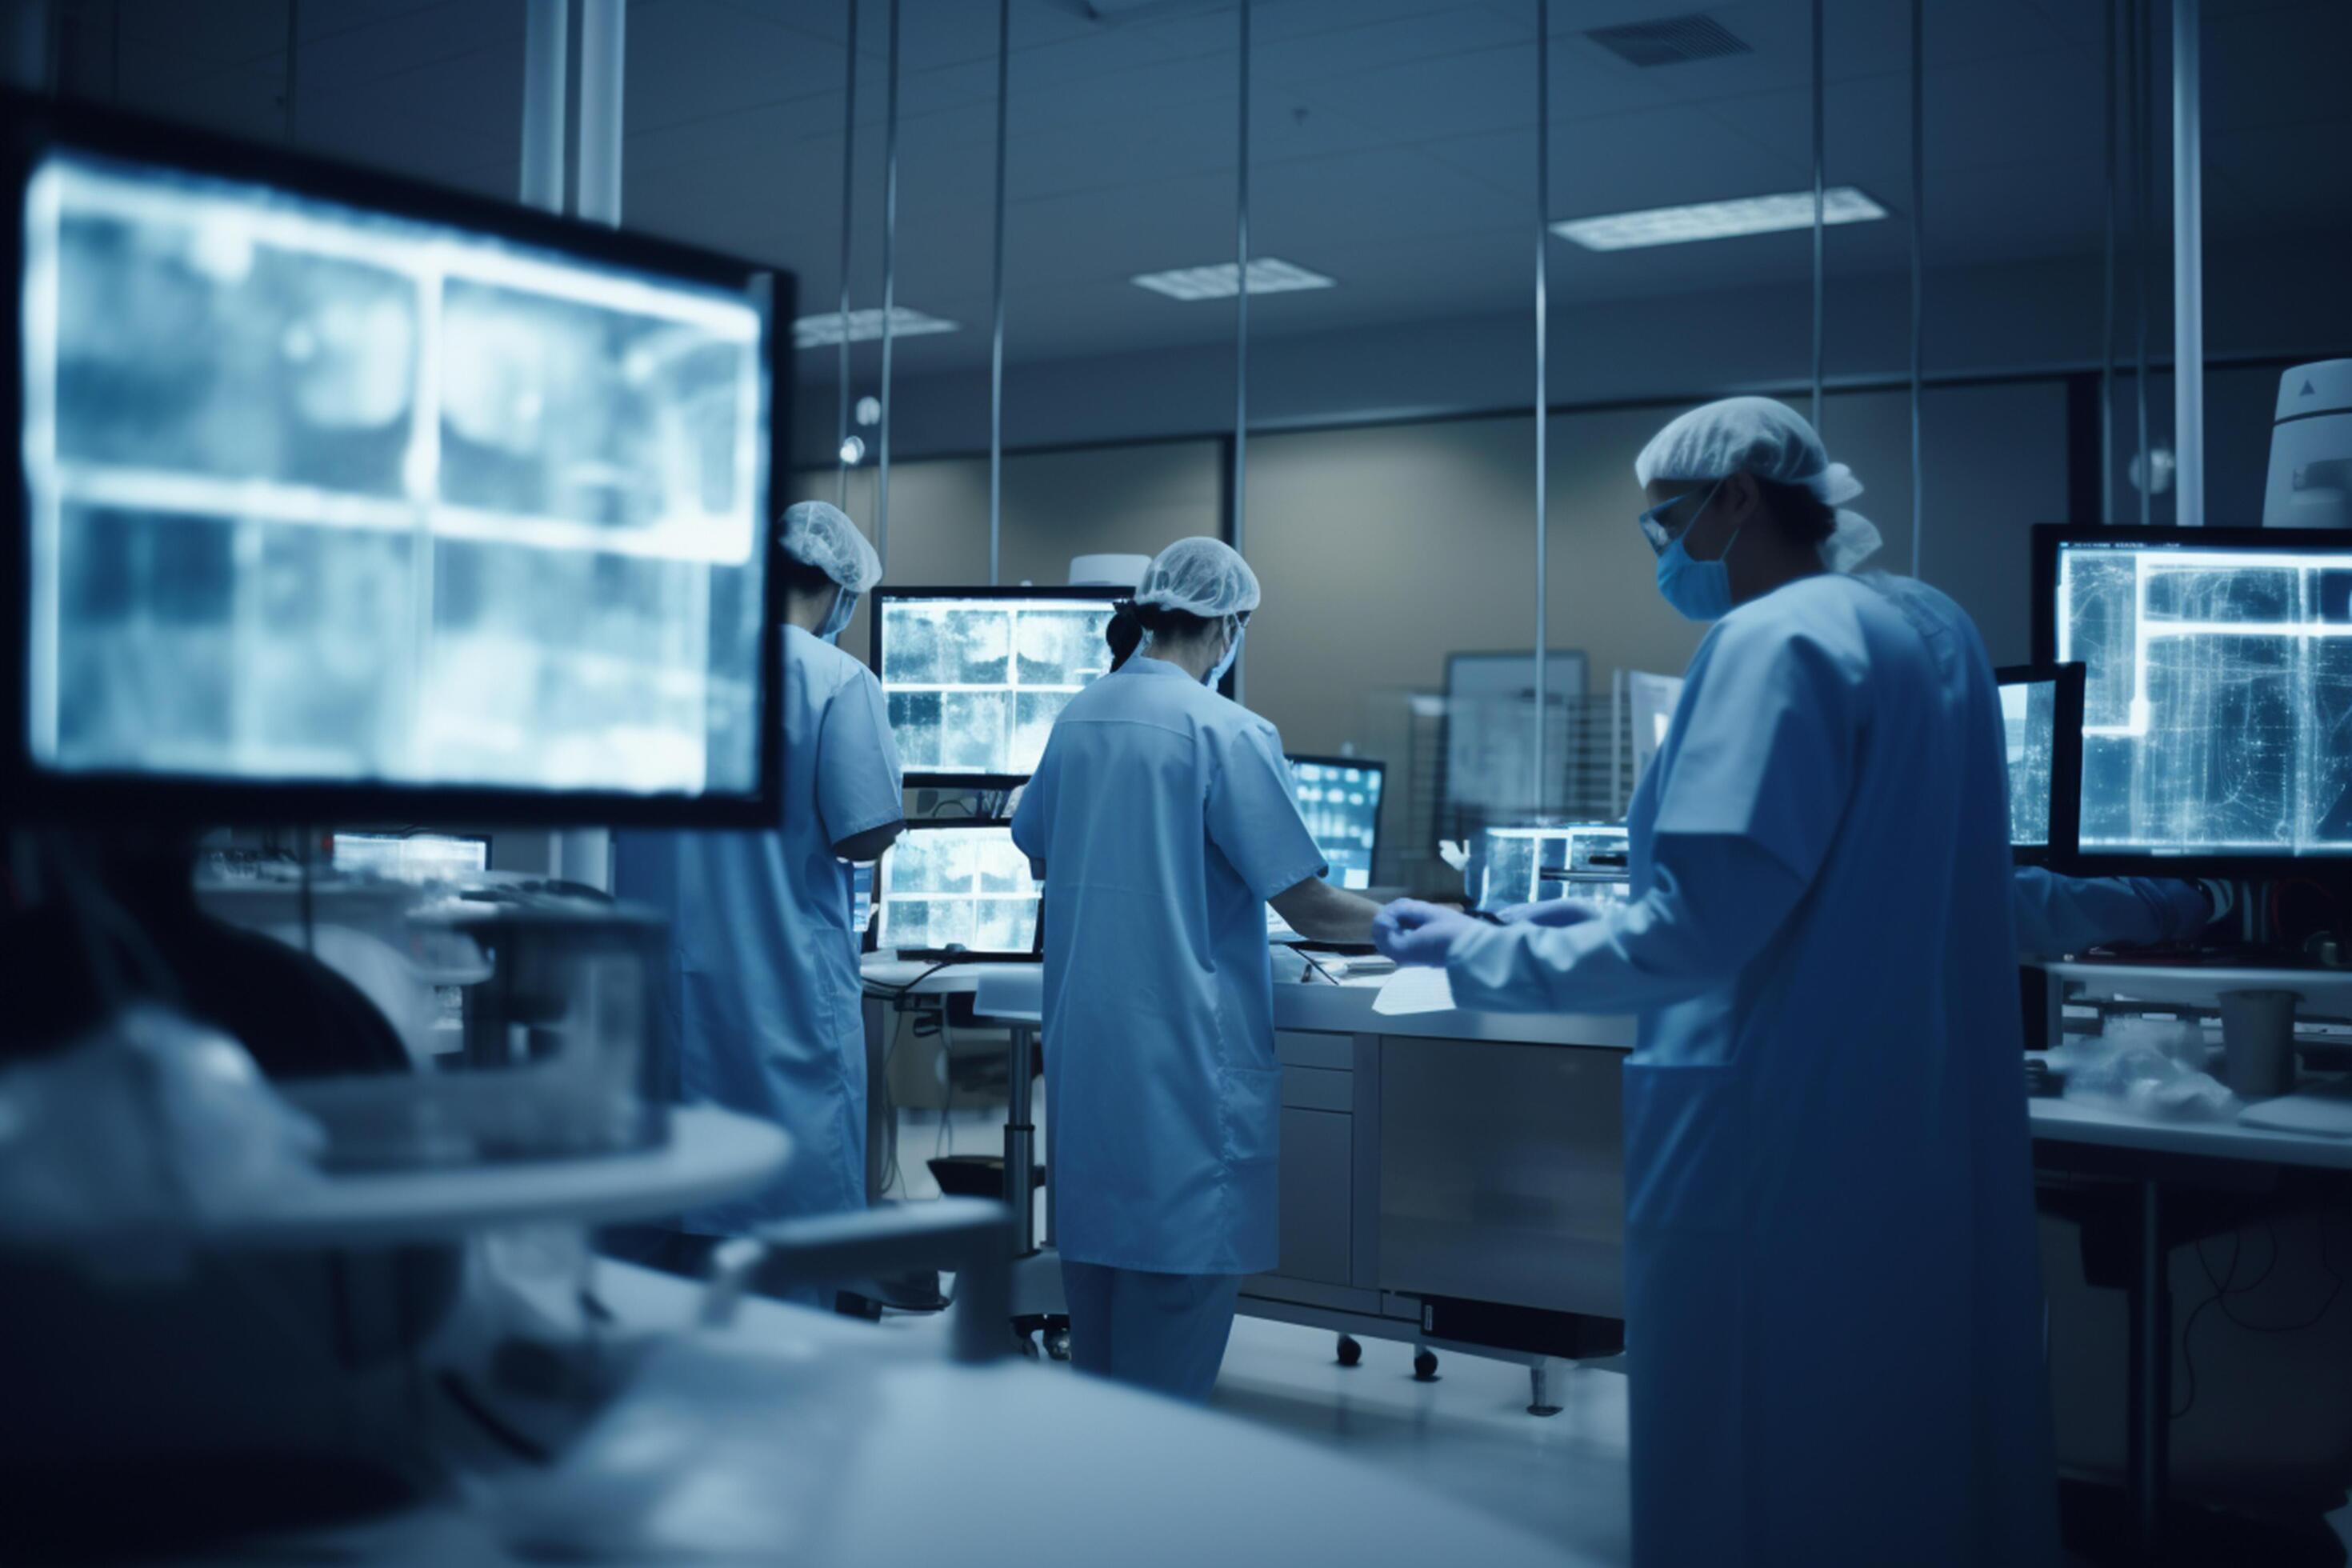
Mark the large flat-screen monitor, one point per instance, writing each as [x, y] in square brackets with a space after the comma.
[2217, 701]
[962, 890]
[976, 676]
[342, 497]
[1586, 860]
[2042, 730]
[1340, 799]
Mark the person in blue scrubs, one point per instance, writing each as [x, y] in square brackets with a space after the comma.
[1163, 821]
[764, 1003]
[1834, 1306]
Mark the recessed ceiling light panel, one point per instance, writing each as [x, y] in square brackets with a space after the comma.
[1266, 276]
[864, 327]
[1719, 220]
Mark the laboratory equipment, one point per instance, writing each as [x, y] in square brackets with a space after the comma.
[1586, 860]
[410, 857]
[2217, 689]
[2311, 448]
[348, 498]
[961, 890]
[976, 676]
[1490, 734]
[1340, 799]
[2041, 729]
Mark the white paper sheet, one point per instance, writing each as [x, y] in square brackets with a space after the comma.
[1415, 991]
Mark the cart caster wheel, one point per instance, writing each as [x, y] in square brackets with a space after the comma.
[1057, 1343]
[1351, 1353]
[1424, 1366]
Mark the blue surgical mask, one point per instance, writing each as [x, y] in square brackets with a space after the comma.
[1233, 651]
[844, 604]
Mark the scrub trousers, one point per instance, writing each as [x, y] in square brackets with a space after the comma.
[1162, 1331]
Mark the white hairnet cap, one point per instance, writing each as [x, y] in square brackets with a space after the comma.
[1771, 441]
[817, 533]
[1205, 576]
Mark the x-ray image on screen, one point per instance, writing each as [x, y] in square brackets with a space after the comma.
[2029, 718]
[1531, 865]
[975, 683]
[324, 495]
[962, 887]
[2218, 696]
[1342, 803]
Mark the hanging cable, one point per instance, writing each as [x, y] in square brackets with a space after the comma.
[848, 189]
[1241, 313]
[1541, 795]
[996, 310]
[1918, 283]
[889, 287]
[1821, 196]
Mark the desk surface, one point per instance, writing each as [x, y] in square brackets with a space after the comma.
[1317, 1008]
[2074, 1121]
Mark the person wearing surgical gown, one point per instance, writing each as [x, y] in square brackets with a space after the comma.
[1833, 1309]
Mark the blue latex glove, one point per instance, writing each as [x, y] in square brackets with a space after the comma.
[1416, 933]
[1549, 912]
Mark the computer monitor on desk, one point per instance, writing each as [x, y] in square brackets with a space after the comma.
[1586, 860]
[1340, 799]
[340, 498]
[2042, 727]
[2217, 708]
[959, 891]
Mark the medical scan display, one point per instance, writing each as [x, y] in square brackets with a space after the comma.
[2029, 721]
[322, 495]
[1341, 804]
[2218, 696]
[962, 887]
[1574, 860]
[975, 683]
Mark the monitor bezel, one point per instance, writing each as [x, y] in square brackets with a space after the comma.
[870, 941]
[2049, 539]
[32, 127]
[926, 778]
[2065, 760]
[1293, 759]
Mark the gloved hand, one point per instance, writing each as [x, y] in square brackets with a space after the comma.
[1549, 912]
[1416, 934]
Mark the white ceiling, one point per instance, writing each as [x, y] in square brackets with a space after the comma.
[1393, 144]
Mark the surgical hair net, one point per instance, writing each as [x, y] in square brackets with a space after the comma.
[816, 534]
[1771, 441]
[1206, 577]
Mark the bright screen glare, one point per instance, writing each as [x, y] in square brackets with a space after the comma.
[962, 887]
[2217, 696]
[319, 495]
[1342, 809]
[2029, 718]
[975, 684]
[1531, 865]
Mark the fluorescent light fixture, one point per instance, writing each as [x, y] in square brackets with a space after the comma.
[1718, 220]
[1266, 276]
[864, 327]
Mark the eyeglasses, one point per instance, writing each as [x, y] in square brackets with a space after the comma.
[1662, 533]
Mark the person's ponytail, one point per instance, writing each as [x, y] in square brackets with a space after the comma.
[1125, 634]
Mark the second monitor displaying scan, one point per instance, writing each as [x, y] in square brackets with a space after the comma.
[1570, 860]
[1340, 799]
[963, 888]
[976, 676]
[2218, 695]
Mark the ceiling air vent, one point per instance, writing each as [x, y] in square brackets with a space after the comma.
[1670, 41]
